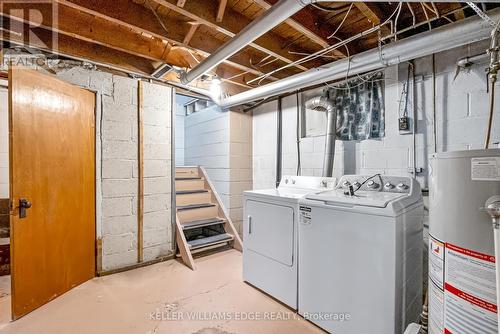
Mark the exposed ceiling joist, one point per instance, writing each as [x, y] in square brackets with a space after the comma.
[374, 14]
[202, 11]
[307, 24]
[74, 23]
[192, 29]
[221, 10]
[141, 20]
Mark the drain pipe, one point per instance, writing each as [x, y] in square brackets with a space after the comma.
[436, 40]
[323, 103]
[279, 142]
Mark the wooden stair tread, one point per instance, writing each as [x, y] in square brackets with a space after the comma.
[195, 206]
[210, 241]
[202, 223]
[188, 192]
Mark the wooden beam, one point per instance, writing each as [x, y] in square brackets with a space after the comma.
[221, 10]
[141, 20]
[202, 11]
[79, 49]
[306, 23]
[75, 23]
[190, 34]
[374, 14]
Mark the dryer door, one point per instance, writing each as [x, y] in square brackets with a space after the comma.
[269, 230]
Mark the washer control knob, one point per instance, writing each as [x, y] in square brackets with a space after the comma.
[286, 181]
[372, 184]
[346, 184]
[389, 185]
[402, 186]
[356, 184]
[293, 181]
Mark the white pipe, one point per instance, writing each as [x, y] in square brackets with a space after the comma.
[440, 39]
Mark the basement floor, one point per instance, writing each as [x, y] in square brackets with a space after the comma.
[147, 300]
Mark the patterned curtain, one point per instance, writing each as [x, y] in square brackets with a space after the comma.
[360, 108]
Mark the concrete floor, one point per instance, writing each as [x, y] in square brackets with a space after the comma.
[147, 300]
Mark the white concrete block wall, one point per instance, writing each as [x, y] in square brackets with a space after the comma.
[118, 186]
[207, 145]
[221, 143]
[240, 163]
[461, 115]
[4, 142]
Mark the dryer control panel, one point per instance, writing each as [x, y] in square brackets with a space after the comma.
[381, 183]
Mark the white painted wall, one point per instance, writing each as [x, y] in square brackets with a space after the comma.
[461, 124]
[180, 115]
[221, 143]
[4, 142]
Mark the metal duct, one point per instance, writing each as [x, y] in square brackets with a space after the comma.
[440, 39]
[323, 103]
[258, 27]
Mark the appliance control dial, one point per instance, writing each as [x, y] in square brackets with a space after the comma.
[372, 184]
[286, 181]
[293, 181]
[389, 185]
[346, 184]
[356, 184]
[402, 186]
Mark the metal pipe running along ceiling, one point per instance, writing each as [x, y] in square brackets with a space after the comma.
[275, 15]
[463, 32]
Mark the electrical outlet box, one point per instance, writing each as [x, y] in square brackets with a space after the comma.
[404, 123]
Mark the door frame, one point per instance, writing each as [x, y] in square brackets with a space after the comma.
[97, 155]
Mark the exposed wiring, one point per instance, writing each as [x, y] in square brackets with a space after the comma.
[332, 47]
[341, 23]
[353, 191]
[414, 18]
[323, 8]
[157, 16]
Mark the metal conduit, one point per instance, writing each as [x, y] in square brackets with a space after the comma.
[323, 103]
[440, 39]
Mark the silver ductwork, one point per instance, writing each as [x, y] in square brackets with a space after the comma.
[440, 39]
[258, 27]
[323, 103]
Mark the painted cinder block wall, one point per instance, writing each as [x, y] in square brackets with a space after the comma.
[117, 166]
[220, 141]
[461, 119]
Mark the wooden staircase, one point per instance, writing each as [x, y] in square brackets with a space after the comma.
[202, 223]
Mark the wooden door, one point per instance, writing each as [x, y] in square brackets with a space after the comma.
[52, 166]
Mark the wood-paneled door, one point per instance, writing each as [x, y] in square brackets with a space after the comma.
[52, 186]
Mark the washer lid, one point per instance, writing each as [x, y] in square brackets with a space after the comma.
[377, 199]
[285, 193]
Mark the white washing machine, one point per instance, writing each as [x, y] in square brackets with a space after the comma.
[360, 259]
[270, 235]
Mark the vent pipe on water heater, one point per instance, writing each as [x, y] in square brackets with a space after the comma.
[322, 103]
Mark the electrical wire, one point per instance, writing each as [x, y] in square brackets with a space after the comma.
[353, 191]
[330, 48]
[341, 23]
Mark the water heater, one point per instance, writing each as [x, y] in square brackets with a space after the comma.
[462, 288]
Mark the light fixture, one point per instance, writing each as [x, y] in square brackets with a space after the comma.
[215, 88]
